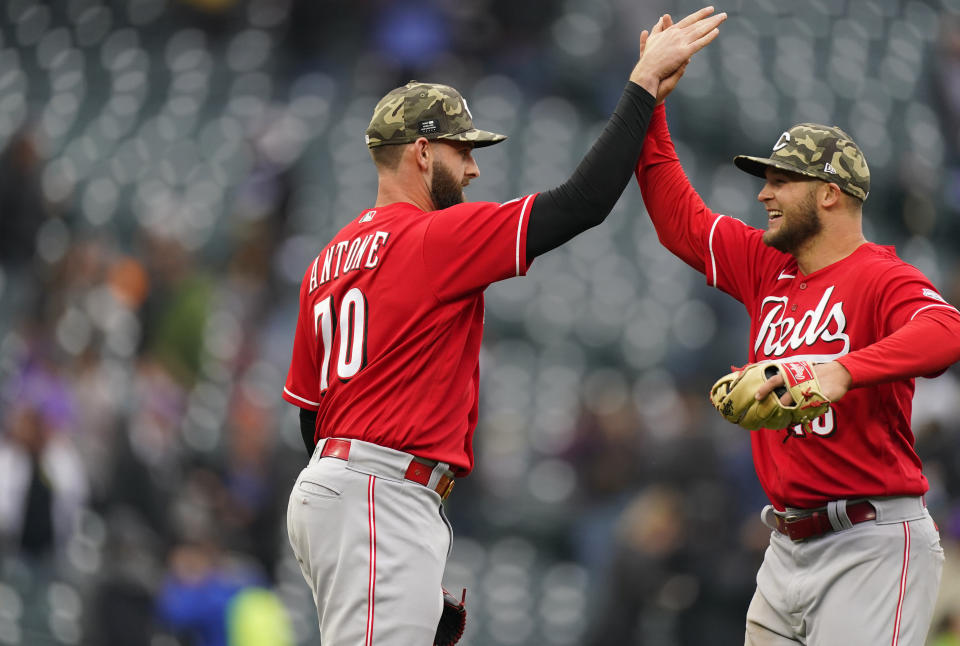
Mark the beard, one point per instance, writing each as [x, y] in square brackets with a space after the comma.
[797, 227]
[445, 190]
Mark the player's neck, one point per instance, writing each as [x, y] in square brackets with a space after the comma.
[394, 188]
[827, 248]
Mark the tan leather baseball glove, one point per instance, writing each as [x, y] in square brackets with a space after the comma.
[733, 395]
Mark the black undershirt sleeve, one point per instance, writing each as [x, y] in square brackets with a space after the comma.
[585, 200]
[308, 424]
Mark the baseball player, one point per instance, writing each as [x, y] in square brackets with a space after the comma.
[854, 556]
[386, 350]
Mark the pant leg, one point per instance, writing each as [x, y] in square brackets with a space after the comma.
[875, 584]
[773, 618]
[373, 551]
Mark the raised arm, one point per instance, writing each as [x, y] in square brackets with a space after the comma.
[679, 216]
[588, 196]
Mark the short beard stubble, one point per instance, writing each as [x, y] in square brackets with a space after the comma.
[803, 224]
[445, 190]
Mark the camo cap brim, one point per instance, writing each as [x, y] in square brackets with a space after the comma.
[427, 110]
[480, 138]
[757, 166]
[820, 152]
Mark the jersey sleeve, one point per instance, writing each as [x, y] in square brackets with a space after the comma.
[301, 386]
[468, 246]
[920, 332]
[906, 295]
[727, 251]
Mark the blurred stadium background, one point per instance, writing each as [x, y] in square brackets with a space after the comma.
[170, 166]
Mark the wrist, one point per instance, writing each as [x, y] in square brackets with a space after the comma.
[843, 373]
[647, 80]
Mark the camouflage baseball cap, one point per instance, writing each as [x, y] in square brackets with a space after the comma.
[822, 152]
[425, 110]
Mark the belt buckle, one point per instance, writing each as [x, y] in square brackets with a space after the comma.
[446, 490]
[789, 526]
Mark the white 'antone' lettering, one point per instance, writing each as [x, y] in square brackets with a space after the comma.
[313, 274]
[355, 255]
[379, 238]
[348, 255]
[341, 247]
[327, 262]
[779, 333]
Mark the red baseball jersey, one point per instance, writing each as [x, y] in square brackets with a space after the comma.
[388, 336]
[863, 446]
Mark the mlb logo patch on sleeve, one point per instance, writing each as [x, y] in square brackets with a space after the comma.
[929, 293]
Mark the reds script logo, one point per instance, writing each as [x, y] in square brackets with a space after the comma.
[823, 327]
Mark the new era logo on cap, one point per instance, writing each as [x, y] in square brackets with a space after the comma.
[827, 168]
[428, 127]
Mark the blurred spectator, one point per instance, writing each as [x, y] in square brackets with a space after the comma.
[606, 451]
[23, 210]
[947, 71]
[411, 34]
[945, 630]
[947, 633]
[648, 579]
[122, 596]
[254, 509]
[660, 589]
[176, 308]
[212, 599]
[43, 483]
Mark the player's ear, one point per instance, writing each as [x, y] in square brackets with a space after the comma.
[829, 194]
[422, 153]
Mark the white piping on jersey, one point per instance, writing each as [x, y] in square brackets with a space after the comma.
[523, 210]
[812, 358]
[713, 260]
[950, 307]
[305, 401]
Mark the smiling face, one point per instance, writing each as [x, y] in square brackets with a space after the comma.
[791, 207]
[453, 169]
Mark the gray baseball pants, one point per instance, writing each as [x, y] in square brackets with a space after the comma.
[372, 546]
[871, 584]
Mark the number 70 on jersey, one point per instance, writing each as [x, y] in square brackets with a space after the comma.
[349, 327]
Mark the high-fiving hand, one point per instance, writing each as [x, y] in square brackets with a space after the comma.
[666, 49]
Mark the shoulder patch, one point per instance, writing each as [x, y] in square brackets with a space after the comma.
[929, 293]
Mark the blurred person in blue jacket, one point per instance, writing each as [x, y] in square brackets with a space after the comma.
[211, 599]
